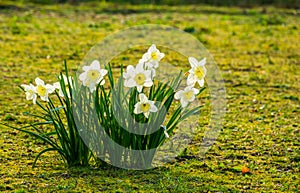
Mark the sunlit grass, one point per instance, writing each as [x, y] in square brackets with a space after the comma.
[257, 52]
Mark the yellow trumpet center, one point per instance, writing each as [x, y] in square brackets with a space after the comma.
[140, 79]
[199, 72]
[154, 55]
[188, 95]
[93, 75]
[41, 90]
[31, 92]
[145, 107]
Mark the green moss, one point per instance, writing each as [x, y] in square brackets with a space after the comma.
[259, 58]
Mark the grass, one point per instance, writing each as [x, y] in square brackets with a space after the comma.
[256, 49]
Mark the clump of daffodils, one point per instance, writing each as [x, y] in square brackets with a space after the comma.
[43, 90]
[143, 107]
[57, 115]
[142, 76]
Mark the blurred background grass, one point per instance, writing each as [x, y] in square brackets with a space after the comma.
[256, 46]
[239, 3]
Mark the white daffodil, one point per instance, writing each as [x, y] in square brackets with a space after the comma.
[152, 57]
[92, 75]
[145, 106]
[57, 85]
[43, 90]
[137, 77]
[197, 73]
[187, 95]
[30, 92]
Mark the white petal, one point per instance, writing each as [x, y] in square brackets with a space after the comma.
[161, 55]
[188, 88]
[146, 57]
[44, 98]
[26, 87]
[202, 62]
[82, 76]
[153, 108]
[56, 85]
[38, 81]
[50, 88]
[192, 99]
[148, 83]
[193, 62]
[137, 109]
[130, 68]
[103, 72]
[126, 75]
[192, 71]
[92, 88]
[95, 65]
[147, 114]
[86, 68]
[139, 68]
[139, 88]
[142, 61]
[85, 82]
[151, 102]
[201, 82]
[143, 98]
[147, 73]
[29, 96]
[191, 80]
[183, 102]
[130, 83]
[196, 91]
[178, 95]
[31, 87]
[34, 99]
[130, 72]
[102, 81]
[152, 48]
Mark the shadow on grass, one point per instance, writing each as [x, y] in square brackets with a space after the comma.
[227, 3]
[127, 9]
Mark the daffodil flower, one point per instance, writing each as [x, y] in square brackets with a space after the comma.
[66, 81]
[145, 106]
[137, 77]
[43, 90]
[197, 73]
[30, 92]
[92, 75]
[186, 96]
[152, 57]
